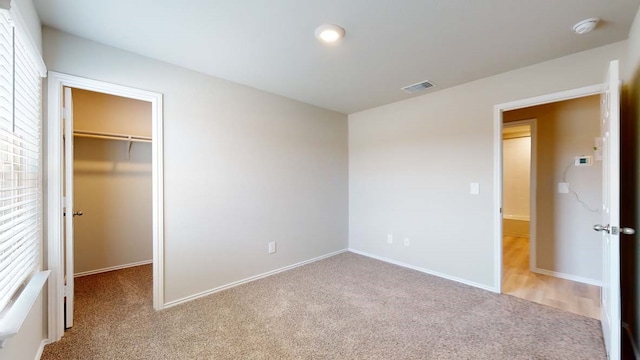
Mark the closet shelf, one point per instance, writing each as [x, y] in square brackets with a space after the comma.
[111, 136]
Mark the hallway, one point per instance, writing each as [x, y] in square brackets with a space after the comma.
[519, 281]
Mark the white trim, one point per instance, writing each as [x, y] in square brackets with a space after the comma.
[54, 235]
[32, 48]
[112, 268]
[497, 160]
[551, 98]
[250, 279]
[69, 250]
[426, 271]
[497, 198]
[54, 154]
[560, 275]
[18, 311]
[43, 343]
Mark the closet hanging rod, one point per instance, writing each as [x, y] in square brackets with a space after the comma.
[111, 136]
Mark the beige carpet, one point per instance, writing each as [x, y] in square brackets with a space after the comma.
[344, 307]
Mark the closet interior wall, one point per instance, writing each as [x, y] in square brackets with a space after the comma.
[112, 183]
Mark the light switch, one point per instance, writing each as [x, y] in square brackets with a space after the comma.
[474, 189]
[563, 188]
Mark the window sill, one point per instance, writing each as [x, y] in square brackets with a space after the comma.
[12, 321]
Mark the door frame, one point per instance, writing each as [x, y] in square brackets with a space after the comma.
[54, 183]
[533, 171]
[498, 110]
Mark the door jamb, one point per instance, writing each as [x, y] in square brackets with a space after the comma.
[498, 110]
[54, 198]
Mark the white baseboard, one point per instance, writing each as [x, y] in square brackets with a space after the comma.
[112, 268]
[560, 275]
[249, 279]
[43, 343]
[426, 271]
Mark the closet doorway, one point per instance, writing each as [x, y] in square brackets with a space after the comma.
[104, 192]
[111, 182]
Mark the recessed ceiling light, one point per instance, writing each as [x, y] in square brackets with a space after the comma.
[329, 33]
[585, 26]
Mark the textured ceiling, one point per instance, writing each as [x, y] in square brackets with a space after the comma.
[270, 44]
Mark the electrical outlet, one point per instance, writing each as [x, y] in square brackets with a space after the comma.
[389, 239]
[407, 242]
[272, 247]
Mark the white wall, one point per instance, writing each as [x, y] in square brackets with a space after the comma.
[516, 178]
[31, 21]
[411, 162]
[27, 343]
[634, 47]
[242, 167]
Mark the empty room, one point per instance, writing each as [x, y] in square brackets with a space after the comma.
[319, 180]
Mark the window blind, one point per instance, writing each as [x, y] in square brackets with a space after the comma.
[20, 162]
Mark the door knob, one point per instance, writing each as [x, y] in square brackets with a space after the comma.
[627, 231]
[614, 230]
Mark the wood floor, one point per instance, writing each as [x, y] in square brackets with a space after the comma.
[519, 281]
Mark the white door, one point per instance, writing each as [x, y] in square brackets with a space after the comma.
[69, 212]
[610, 227]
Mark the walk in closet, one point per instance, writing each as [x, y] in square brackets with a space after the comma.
[111, 182]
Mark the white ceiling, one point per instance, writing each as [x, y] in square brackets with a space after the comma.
[270, 44]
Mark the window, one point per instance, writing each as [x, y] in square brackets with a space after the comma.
[20, 161]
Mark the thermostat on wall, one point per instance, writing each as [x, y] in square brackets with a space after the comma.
[583, 161]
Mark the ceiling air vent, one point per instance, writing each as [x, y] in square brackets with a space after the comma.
[421, 86]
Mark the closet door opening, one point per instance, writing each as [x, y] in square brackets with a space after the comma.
[61, 253]
[112, 239]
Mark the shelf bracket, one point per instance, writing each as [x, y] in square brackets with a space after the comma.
[130, 144]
